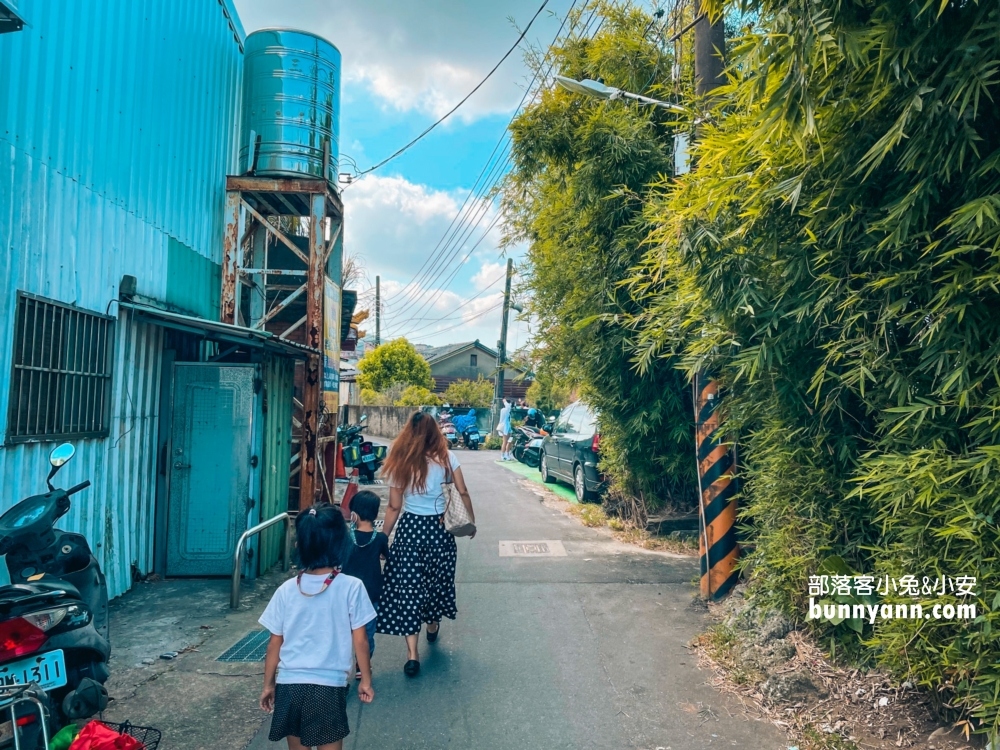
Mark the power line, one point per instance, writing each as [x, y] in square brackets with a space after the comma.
[430, 301]
[460, 265]
[477, 197]
[439, 259]
[452, 111]
[451, 314]
[469, 320]
[460, 236]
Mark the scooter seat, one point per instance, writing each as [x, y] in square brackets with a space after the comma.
[18, 592]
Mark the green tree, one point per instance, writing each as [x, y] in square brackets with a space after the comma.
[391, 363]
[582, 171]
[372, 398]
[549, 393]
[417, 395]
[477, 393]
[834, 258]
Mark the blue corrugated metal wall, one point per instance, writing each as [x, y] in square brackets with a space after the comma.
[118, 125]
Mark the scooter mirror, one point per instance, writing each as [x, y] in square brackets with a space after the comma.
[364, 418]
[61, 455]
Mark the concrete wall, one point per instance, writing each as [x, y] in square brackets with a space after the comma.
[388, 421]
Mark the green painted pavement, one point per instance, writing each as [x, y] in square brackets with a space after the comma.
[562, 490]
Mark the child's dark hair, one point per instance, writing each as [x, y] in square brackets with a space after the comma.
[321, 534]
[366, 504]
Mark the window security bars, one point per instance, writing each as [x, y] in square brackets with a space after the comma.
[61, 377]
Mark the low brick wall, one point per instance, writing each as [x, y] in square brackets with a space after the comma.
[388, 421]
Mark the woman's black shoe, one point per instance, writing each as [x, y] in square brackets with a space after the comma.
[411, 668]
[431, 637]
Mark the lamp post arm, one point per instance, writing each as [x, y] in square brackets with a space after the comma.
[655, 102]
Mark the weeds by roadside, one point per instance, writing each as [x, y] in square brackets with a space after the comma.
[781, 675]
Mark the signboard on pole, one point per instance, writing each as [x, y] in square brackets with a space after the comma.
[331, 347]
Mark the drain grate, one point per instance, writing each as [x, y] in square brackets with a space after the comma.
[249, 648]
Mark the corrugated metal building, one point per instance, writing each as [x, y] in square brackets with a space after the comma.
[118, 126]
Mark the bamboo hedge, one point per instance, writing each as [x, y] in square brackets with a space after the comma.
[834, 256]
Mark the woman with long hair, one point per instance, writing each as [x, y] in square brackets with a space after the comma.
[420, 572]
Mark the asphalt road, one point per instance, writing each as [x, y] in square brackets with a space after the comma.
[587, 650]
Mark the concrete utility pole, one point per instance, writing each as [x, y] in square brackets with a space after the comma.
[716, 459]
[502, 343]
[378, 311]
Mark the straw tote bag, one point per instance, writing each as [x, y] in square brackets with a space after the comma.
[457, 519]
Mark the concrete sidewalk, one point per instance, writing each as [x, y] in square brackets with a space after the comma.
[197, 702]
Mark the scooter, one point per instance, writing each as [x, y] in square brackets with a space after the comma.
[359, 453]
[472, 438]
[466, 425]
[448, 428]
[53, 617]
[531, 455]
[523, 435]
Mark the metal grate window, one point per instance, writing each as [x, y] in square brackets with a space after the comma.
[61, 380]
[473, 360]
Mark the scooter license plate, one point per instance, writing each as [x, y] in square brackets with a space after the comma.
[48, 670]
[369, 458]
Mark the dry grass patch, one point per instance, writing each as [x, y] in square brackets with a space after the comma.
[781, 675]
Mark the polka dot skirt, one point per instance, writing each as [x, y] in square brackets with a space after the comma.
[316, 714]
[419, 576]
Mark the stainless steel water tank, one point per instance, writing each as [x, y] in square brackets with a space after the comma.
[291, 102]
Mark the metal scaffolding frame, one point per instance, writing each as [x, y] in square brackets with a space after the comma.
[281, 257]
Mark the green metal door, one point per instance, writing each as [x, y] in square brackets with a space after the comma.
[210, 466]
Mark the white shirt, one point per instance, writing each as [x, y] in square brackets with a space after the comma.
[431, 501]
[318, 647]
[504, 426]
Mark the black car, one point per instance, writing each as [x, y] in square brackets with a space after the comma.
[570, 453]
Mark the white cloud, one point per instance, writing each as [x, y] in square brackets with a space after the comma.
[488, 274]
[423, 56]
[395, 226]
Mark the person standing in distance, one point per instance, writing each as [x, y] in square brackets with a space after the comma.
[503, 427]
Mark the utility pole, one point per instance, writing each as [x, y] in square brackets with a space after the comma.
[716, 460]
[709, 46]
[502, 343]
[378, 311]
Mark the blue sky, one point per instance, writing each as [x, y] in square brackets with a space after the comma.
[405, 64]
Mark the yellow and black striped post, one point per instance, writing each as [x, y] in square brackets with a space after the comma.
[717, 485]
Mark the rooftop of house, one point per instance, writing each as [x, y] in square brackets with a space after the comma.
[436, 353]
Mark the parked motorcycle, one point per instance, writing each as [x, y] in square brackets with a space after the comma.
[448, 427]
[466, 426]
[53, 617]
[531, 455]
[523, 435]
[359, 453]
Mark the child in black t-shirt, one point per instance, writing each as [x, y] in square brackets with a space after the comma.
[371, 547]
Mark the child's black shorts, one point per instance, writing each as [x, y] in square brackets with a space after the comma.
[316, 714]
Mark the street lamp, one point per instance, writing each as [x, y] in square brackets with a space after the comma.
[598, 90]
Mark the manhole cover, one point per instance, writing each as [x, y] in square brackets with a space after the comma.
[249, 648]
[533, 548]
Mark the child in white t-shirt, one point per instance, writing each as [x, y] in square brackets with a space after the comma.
[316, 621]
